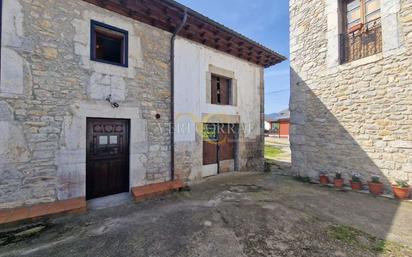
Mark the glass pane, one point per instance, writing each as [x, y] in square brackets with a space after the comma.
[108, 49]
[352, 5]
[109, 45]
[113, 140]
[373, 16]
[372, 6]
[103, 140]
[354, 16]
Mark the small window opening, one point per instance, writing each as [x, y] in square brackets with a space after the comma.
[109, 44]
[221, 90]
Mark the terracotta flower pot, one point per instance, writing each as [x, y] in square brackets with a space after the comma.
[356, 186]
[401, 193]
[339, 182]
[375, 188]
[324, 180]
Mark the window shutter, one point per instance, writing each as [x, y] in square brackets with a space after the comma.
[214, 90]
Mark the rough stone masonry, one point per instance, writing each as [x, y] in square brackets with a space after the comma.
[355, 117]
[49, 84]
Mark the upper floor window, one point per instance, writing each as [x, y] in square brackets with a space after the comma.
[221, 90]
[109, 44]
[362, 34]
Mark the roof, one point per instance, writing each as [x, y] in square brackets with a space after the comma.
[168, 15]
[271, 117]
[276, 117]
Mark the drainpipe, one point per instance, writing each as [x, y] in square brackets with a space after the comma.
[172, 95]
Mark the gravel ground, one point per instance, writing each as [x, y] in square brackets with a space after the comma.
[238, 214]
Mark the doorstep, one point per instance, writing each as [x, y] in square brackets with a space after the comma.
[75, 205]
[142, 193]
[109, 201]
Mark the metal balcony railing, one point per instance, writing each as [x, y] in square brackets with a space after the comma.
[364, 42]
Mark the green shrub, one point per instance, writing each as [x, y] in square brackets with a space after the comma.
[356, 178]
[376, 179]
[402, 184]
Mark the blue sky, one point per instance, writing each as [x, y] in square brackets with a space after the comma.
[266, 21]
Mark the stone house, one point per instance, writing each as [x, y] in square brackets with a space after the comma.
[351, 83]
[92, 93]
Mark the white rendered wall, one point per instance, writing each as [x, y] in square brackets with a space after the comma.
[192, 62]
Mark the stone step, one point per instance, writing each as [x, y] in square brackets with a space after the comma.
[150, 191]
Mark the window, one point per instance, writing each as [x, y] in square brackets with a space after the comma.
[221, 90]
[362, 35]
[361, 13]
[109, 44]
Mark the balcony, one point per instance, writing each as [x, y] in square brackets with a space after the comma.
[364, 41]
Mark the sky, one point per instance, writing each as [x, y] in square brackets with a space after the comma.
[265, 21]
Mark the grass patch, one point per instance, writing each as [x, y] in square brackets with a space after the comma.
[364, 241]
[272, 152]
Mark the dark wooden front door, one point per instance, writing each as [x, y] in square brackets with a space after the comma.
[218, 143]
[107, 170]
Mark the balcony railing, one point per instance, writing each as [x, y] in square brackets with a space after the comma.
[361, 43]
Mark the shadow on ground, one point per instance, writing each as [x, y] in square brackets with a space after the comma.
[238, 214]
[323, 131]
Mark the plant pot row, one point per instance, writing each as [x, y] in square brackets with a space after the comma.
[375, 188]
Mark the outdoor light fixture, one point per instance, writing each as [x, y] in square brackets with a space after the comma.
[113, 104]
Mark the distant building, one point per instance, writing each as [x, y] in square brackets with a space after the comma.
[277, 124]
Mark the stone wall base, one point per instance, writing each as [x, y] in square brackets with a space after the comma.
[42, 210]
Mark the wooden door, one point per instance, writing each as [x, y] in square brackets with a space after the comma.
[226, 143]
[210, 138]
[218, 143]
[107, 168]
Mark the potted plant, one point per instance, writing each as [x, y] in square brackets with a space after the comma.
[356, 183]
[401, 189]
[375, 186]
[338, 180]
[323, 179]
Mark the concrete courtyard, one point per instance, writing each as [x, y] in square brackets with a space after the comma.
[238, 214]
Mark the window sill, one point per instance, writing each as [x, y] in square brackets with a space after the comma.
[109, 63]
[357, 63]
[221, 104]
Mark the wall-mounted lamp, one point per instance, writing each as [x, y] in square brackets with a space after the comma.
[113, 104]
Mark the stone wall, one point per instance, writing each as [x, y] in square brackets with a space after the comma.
[49, 86]
[356, 117]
